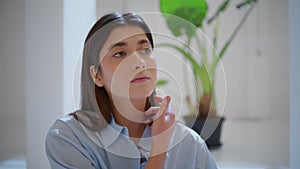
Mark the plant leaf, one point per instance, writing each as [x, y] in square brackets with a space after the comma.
[161, 82]
[245, 3]
[192, 12]
[221, 8]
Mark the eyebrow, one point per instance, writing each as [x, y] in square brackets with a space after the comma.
[121, 44]
[140, 42]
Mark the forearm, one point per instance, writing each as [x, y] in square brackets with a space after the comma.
[158, 154]
[156, 162]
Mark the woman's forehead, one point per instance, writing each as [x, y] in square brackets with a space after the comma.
[122, 33]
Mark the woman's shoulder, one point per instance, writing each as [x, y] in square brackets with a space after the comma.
[186, 134]
[66, 143]
[189, 149]
[66, 122]
[184, 130]
[65, 127]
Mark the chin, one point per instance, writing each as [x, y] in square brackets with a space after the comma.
[141, 94]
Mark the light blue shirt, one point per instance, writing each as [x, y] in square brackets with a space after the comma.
[70, 145]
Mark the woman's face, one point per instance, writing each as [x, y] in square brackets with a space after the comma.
[128, 66]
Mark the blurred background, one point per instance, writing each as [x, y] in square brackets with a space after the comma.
[40, 49]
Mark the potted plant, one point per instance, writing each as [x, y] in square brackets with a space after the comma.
[193, 17]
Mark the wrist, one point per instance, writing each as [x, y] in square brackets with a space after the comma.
[156, 161]
[159, 148]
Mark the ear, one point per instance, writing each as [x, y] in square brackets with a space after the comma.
[95, 76]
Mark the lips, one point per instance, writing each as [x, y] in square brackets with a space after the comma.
[140, 78]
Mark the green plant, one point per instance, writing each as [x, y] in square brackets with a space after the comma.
[194, 12]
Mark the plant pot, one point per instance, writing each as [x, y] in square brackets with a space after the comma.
[209, 129]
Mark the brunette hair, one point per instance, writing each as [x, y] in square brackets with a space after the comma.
[96, 108]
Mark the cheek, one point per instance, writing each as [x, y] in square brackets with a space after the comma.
[107, 73]
[116, 78]
[152, 66]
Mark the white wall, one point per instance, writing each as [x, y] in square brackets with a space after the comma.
[12, 75]
[278, 50]
[55, 32]
[79, 17]
[256, 64]
[44, 74]
[294, 27]
[40, 44]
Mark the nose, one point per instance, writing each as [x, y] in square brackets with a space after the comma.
[138, 62]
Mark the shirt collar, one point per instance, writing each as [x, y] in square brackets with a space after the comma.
[145, 143]
[111, 132]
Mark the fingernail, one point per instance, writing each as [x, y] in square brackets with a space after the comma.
[168, 98]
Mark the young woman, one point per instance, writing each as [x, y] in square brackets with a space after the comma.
[121, 123]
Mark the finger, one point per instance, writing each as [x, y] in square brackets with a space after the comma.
[150, 114]
[170, 117]
[170, 108]
[164, 106]
[152, 111]
[156, 100]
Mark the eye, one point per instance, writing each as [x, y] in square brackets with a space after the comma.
[119, 54]
[145, 50]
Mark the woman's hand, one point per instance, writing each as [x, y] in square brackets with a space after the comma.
[162, 125]
[162, 128]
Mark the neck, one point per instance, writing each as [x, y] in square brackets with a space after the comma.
[130, 113]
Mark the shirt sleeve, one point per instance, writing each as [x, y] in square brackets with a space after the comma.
[204, 158]
[64, 150]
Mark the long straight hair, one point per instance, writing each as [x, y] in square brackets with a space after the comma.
[96, 107]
